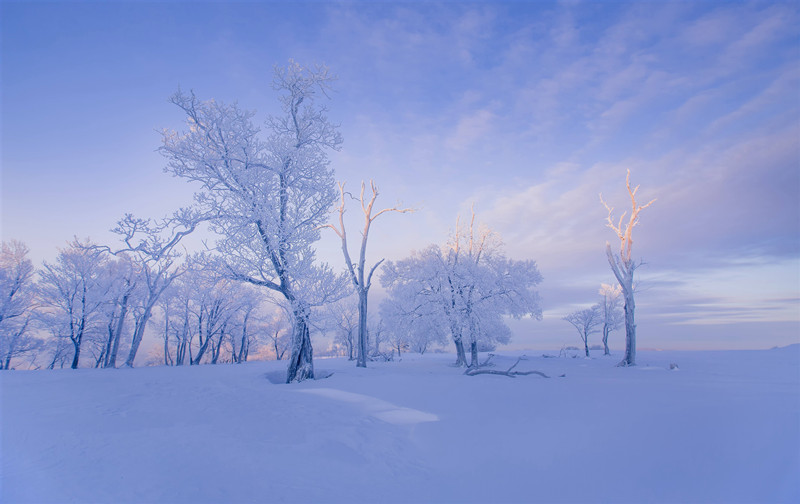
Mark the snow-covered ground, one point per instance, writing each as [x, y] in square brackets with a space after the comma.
[724, 427]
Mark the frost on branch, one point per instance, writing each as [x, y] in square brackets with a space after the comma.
[360, 278]
[464, 289]
[268, 193]
[623, 266]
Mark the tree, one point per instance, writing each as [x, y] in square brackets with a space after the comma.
[421, 287]
[343, 319]
[73, 290]
[465, 288]
[266, 198]
[16, 303]
[610, 311]
[242, 337]
[586, 322]
[406, 314]
[489, 286]
[362, 281]
[623, 266]
[122, 277]
[152, 246]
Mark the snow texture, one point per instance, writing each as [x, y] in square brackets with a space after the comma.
[724, 428]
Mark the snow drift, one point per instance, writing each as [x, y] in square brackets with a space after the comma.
[722, 427]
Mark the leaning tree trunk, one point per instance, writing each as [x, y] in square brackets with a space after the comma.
[301, 363]
[138, 333]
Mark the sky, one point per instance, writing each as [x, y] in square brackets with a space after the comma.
[526, 110]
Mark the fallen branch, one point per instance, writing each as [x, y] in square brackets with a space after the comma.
[509, 372]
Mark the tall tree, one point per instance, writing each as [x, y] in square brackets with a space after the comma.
[362, 281]
[623, 266]
[268, 197]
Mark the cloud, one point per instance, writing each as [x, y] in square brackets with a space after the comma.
[470, 129]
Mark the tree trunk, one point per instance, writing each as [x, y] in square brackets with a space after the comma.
[605, 340]
[138, 333]
[473, 347]
[624, 276]
[461, 357]
[77, 344]
[586, 344]
[362, 328]
[630, 330]
[111, 355]
[301, 364]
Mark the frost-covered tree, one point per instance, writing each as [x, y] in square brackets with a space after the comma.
[121, 277]
[179, 330]
[586, 322]
[420, 287]
[267, 196]
[152, 247]
[361, 279]
[465, 288]
[206, 316]
[241, 333]
[613, 318]
[73, 290]
[415, 326]
[342, 318]
[377, 335]
[623, 266]
[16, 303]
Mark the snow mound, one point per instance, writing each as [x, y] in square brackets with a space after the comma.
[377, 408]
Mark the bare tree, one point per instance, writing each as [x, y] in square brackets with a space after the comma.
[623, 266]
[362, 281]
[610, 301]
[586, 322]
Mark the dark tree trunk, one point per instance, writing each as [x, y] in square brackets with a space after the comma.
[77, 344]
[630, 331]
[461, 357]
[473, 348]
[301, 363]
[138, 333]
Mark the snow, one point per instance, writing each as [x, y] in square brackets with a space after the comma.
[725, 427]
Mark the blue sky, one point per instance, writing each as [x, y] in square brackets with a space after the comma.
[529, 110]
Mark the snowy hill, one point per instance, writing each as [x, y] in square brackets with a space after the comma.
[724, 427]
